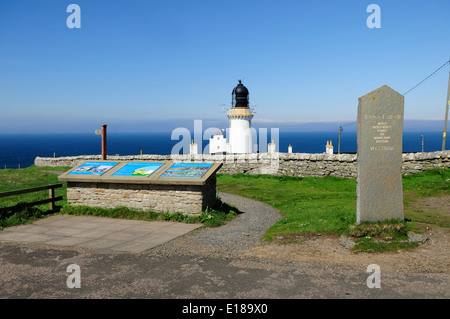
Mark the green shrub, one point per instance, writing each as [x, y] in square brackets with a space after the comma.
[22, 216]
[392, 228]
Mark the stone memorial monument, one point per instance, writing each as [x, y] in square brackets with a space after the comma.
[379, 156]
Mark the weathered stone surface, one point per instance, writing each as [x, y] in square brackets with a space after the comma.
[347, 242]
[379, 156]
[191, 200]
[417, 238]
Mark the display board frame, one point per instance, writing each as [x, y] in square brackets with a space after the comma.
[154, 178]
[134, 179]
[72, 176]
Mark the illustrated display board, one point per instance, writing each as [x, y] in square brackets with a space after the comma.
[145, 172]
[196, 170]
[137, 169]
[93, 168]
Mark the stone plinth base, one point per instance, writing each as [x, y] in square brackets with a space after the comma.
[185, 199]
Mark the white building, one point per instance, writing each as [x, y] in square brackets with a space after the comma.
[329, 148]
[193, 148]
[218, 144]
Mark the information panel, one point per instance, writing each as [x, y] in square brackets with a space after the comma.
[93, 168]
[141, 172]
[137, 169]
[187, 170]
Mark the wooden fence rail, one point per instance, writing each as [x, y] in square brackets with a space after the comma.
[51, 192]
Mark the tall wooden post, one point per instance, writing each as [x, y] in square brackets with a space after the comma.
[104, 142]
[422, 143]
[51, 194]
[446, 113]
[339, 143]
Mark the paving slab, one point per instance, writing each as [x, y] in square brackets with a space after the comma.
[38, 238]
[135, 246]
[12, 236]
[97, 232]
[68, 241]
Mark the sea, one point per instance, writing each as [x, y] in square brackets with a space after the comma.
[20, 150]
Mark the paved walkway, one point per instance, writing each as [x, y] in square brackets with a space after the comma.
[97, 232]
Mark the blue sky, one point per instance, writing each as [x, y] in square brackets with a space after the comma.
[154, 64]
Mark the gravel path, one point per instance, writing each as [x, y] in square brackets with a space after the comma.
[230, 240]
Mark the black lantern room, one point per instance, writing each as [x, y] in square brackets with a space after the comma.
[240, 96]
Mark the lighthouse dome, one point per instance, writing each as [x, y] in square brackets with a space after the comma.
[240, 96]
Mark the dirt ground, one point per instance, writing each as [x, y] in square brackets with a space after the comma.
[431, 257]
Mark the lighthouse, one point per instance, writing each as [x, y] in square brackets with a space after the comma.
[240, 116]
[239, 133]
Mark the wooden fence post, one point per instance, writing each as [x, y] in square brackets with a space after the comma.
[51, 194]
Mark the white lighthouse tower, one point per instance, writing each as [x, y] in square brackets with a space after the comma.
[240, 116]
[239, 134]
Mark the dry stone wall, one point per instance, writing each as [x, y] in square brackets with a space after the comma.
[291, 164]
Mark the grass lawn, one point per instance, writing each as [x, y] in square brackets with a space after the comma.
[422, 187]
[309, 205]
[327, 205]
[14, 179]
